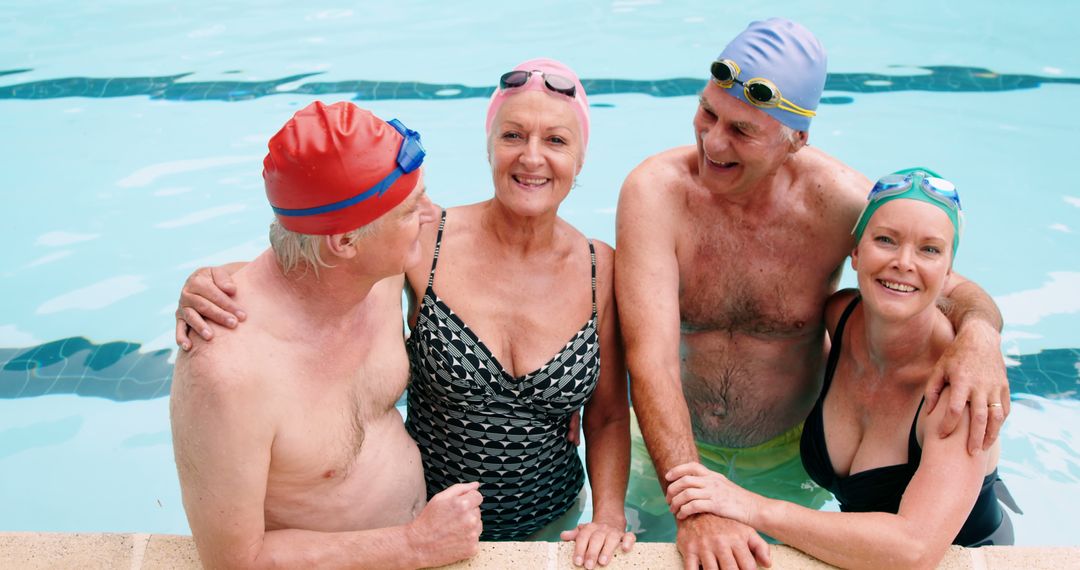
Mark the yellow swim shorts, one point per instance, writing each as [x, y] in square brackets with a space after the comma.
[773, 469]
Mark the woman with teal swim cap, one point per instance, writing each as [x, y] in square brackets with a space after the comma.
[905, 494]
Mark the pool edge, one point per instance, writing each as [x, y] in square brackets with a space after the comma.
[151, 551]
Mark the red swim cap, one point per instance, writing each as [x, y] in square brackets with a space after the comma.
[334, 168]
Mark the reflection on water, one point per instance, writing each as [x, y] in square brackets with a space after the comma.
[936, 78]
[1053, 374]
[39, 434]
[117, 433]
[114, 370]
[119, 371]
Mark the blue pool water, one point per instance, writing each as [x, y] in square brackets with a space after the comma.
[133, 134]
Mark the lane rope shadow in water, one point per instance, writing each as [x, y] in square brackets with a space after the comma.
[114, 370]
[119, 371]
[935, 78]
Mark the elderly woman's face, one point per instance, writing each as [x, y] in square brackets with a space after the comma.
[904, 257]
[535, 152]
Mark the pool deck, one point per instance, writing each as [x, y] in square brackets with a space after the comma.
[152, 551]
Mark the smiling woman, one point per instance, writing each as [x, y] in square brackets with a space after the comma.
[905, 492]
[535, 151]
[134, 135]
[486, 400]
[501, 259]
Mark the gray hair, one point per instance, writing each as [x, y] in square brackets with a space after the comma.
[789, 134]
[294, 250]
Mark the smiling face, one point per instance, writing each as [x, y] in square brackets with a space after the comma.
[535, 151]
[904, 258]
[738, 145]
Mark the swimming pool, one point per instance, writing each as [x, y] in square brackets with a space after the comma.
[134, 134]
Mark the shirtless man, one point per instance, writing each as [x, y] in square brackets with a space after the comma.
[288, 445]
[727, 251]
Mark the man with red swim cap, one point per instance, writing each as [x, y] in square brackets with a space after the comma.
[289, 448]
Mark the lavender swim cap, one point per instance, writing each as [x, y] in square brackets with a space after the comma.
[787, 54]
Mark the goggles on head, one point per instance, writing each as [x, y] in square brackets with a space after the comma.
[939, 189]
[758, 91]
[552, 81]
[410, 156]
[914, 184]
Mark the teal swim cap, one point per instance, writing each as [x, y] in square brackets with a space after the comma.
[920, 184]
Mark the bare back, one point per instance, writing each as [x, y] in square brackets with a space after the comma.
[317, 401]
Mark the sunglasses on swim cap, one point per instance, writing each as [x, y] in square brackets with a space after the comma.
[758, 91]
[554, 82]
[410, 156]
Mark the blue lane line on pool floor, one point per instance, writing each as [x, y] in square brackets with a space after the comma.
[940, 78]
[118, 371]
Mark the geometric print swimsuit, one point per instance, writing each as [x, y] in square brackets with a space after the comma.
[473, 421]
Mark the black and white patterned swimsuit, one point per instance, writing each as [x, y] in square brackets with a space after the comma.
[473, 421]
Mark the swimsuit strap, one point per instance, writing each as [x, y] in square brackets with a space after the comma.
[834, 352]
[438, 244]
[914, 451]
[592, 256]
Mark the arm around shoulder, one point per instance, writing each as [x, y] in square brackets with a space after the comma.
[972, 365]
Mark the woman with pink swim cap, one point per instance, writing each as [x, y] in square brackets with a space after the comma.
[509, 317]
[508, 283]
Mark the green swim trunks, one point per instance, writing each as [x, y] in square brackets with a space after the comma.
[773, 469]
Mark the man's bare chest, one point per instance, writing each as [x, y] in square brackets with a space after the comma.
[762, 283]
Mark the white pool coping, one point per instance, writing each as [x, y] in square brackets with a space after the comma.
[32, 550]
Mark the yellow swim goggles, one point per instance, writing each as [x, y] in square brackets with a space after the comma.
[758, 91]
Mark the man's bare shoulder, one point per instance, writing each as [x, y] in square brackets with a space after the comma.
[658, 180]
[840, 187]
[673, 162]
[821, 168]
[229, 366]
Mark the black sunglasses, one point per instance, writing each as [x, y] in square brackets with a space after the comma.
[557, 83]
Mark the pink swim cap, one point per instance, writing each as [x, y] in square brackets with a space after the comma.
[580, 102]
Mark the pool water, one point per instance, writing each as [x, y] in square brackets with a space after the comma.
[134, 133]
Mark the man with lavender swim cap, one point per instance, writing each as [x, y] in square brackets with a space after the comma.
[727, 251]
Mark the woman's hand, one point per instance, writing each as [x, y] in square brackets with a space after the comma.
[207, 294]
[595, 542]
[694, 489]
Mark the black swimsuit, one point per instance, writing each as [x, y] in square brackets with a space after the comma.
[880, 489]
[474, 421]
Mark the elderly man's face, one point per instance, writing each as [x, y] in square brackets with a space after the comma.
[738, 145]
